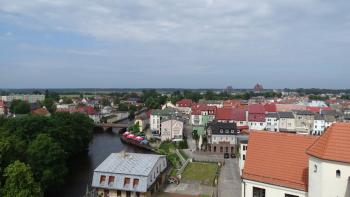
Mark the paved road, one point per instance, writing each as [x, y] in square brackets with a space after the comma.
[229, 180]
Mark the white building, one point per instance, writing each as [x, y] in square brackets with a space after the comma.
[158, 115]
[242, 156]
[272, 121]
[172, 129]
[289, 165]
[129, 175]
[30, 98]
[329, 163]
[319, 125]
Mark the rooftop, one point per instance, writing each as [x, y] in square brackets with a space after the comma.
[278, 159]
[333, 144]
[129, 163]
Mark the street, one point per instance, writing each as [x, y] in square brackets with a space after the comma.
[229, 180]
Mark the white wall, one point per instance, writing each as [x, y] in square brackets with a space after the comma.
[155, 122]
[272, 124]
[324, 183]
[270, 190]
[242, 157]
[257, 125]
[215, 139]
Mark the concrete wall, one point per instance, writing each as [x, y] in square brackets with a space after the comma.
[270, 190]
[323, 181]
[286, 124]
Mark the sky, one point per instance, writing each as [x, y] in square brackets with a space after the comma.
[174, 43]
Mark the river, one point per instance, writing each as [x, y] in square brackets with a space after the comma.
[82, 167]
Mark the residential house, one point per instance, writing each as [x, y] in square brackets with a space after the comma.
[272, 121]
[158, 115]
[276, 165]
[212, 103]
[172, 129]
[129, 175]
[319, 125]
[221, 137]
[304, 121]
[239, 116]
[184, 106]
[286, 122]
[142, 121]
[329, 163]
[331, 116]
[256, 117]
[41, 112]
[280, 164]
[201, 115]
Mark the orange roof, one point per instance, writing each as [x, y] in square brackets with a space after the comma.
[40, 112]
[334, 144]
[278, 159]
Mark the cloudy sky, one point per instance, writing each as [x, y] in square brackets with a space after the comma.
[174, 43]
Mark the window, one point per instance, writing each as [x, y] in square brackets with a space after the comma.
[136, 183]
[110, 180]
[126, 182]
[315, 168]
[119, 193]
[290, 195]
[102, 179]
[338, 174]
[128, 194]
[221, 149]
[221, 131]
[258, 192]
[243, 157]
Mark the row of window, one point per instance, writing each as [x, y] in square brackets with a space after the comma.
[112, 179]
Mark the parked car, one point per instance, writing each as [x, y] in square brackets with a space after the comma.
[226, 155]
[233, 155]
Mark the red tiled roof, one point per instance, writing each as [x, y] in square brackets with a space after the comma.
[197, 108]
[270, 107]
[184, 103]
[317, 109]
[278, 159]
[256, 109]
[230, 114]
[40, 112]
[334, 144]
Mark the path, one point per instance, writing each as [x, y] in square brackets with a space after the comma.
[229, 180]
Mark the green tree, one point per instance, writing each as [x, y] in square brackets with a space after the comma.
[47, 160]
[20, 107]
[123, 107]
[20, 182]
[49, 104]
[105, 102]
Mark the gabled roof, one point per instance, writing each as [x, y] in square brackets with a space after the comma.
[40, 112]
[286, 114]
[256, 109]
[220, 128]
[230, 114]
[334, 144]
[197, 108]
[278, 159]
[184, 103]
[270, 107]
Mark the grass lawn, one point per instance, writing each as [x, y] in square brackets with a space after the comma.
[203, 172]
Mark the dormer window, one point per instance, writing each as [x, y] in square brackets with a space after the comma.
[111, 180]
[221, 130]
[338, 174]
[232, 131]
[315, 168]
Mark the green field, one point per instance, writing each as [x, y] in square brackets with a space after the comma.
[203, 172]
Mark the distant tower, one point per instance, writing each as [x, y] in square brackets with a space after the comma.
[258, 88]
[228, 89]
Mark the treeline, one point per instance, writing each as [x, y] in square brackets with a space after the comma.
[34, 151]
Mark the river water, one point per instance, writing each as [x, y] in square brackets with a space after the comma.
[82, 167]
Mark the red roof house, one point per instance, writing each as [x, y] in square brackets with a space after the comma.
[278, 159]
[256, 113]
[334, 144]
[184, 103]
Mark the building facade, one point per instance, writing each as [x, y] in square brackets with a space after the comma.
[129, 175]
[172, 129]
[221, 137]
[30, 98]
